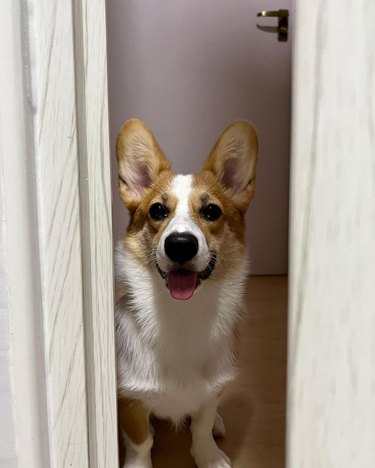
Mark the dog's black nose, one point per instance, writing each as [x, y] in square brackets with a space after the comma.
[181, 246]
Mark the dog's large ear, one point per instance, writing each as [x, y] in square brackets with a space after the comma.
[233, 161]
[140, 161]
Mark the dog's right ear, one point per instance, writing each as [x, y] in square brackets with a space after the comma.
[140, 161]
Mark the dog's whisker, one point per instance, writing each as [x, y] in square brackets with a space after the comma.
[158, 189]
[209, 192]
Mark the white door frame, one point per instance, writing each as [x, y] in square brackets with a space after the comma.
[57, 234]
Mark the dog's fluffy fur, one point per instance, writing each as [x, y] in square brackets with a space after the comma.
[175, 356]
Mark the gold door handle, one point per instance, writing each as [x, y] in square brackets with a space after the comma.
[278, 13]
[282, 27]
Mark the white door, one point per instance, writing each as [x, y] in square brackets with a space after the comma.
[188, 68]
[331, 375]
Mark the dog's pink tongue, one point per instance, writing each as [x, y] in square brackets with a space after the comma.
[181, 284]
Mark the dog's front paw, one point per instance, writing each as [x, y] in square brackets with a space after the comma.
[138, 456]
[141, 462]
[210, 456]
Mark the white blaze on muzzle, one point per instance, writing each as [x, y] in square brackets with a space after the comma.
[182, 222]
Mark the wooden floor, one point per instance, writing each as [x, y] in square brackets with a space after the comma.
[253, 406]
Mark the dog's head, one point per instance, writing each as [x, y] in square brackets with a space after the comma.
[188, 227]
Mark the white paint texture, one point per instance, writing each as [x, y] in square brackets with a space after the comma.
[56, 154]
[331, 414]
[96, 230]
[8, 455]
[23, 443]
[57, 224]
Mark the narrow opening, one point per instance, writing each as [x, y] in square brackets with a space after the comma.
[188, 70]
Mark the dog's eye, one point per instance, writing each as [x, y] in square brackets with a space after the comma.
[211, 212]
[158, 211]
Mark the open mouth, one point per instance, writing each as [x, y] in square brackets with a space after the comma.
[182, 283]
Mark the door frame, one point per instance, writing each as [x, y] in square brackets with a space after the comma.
[57, 235]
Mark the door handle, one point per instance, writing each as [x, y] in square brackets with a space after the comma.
[277, 13]
[282, 26]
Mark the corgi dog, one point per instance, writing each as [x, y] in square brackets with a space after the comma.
[181, 271]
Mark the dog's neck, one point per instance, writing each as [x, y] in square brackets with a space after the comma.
[214, 307]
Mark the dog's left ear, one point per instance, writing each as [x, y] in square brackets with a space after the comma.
[233, 161]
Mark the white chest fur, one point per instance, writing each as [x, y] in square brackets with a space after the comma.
[174, 354]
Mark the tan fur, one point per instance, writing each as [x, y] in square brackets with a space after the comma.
[209, 189]
[134, 419]
[143, 232]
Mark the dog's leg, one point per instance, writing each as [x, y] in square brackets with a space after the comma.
[134, 421]
[219, 429]
[204, 449]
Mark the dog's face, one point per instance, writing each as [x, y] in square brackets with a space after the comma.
[190, 228]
